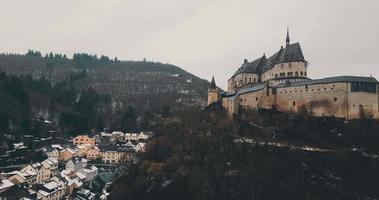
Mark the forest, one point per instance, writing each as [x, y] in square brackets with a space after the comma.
[195, 156]
[29, 105]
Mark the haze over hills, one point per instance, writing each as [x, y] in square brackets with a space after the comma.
[139, 83]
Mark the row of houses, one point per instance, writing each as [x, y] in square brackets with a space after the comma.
[43, 180]
[106, 154]
[87, 147]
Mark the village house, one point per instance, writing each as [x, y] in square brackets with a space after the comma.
[18, 177]
[83, 139]
[82, 149]
[84, 194]
[93, 153]
[140, 147]
[73, 181]
[62, 182]
[53, 151]
[117, 136]
[43, 173]
[67, 153]
[51, 164]
[5, 184]
[131, 136]
[49, 191]
[89, 172]
[76, 163]
[117, 155]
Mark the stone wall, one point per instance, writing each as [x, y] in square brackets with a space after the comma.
[242, 79]
[317, 100]
[213, 96]
[329, 99]
[363, 103]
[292, 69]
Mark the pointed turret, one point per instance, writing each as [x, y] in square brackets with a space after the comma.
[288, 38]
[213, 92]
[213, 83]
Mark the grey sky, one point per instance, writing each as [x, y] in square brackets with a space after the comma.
[339, 37]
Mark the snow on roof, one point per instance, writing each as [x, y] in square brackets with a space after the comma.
[105, 134]
[4, 184]
[71, 150]
[117, 133]
[90, 170]
[49, 138]
[83, 146]
[36, 165]
[57, 146]
[51, 185]
[44, 193]
[49, 161]
[142, 144]
[81, 175]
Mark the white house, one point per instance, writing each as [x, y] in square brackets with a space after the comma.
[89, 172]
[76, 163]
[140, 147]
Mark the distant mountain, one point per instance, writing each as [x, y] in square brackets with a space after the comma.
[142, 84]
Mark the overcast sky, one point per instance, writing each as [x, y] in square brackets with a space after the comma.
[204, 37]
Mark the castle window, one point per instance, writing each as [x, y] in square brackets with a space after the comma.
[301, 73]
[324, 88]
[296, 73]
[245, 79]
[276, 75]
[256, 98]
[254, 80]
[363, 87]
[294, 103]
[318, 89]
[305, 73]
[335, 99]
[250, 79]
[288, 74]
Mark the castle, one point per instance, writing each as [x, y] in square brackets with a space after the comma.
[281, 82]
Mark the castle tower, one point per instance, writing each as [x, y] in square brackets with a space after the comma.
[213, 92]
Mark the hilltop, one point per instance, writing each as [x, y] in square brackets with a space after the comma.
[142, 84]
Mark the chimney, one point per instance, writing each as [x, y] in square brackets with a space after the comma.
[245, 61]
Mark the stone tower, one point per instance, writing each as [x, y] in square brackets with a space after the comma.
[213, 92]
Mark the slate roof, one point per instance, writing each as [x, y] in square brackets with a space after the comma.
[213, 83]
[116, 148]
[250, 89]
[291, 53]
[336, 79]
[252, 67]
[77, 160]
